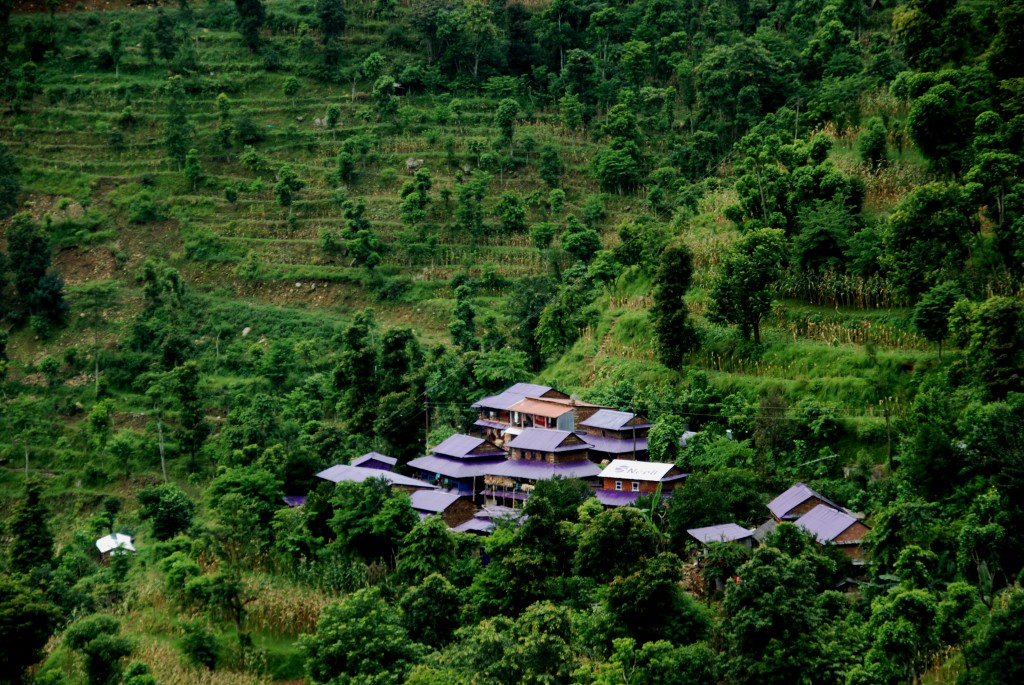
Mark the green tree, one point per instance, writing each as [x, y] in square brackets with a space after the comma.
[193, 428]
[512, 212]
[929, 234]
[991, 654]
[550, 170]
[872, 143]
[28, 249]
[168, 509]
[288, 183]
[370, 519]
[655, 663]
[27, 621]
[939, 123]
[996, 350]
[931, 315]
[98, 638]
[650, 605]
[10, 188]
[115, 43]
[729, 494]
[427, 549]
[359, 640]
[669, 314]
[333, 19]
[505, 118]
[742, 293]
[291, 88]
[616, 543]
[251, 16]
[31, 542]
[429, 611]
[193, 169]
[177, 127]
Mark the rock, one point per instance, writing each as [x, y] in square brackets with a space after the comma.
[246, 331]
[412, 164]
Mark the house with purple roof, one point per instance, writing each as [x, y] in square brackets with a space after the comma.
[797, 501]
[615, 434]
[625, 480]
[538, 454]
[375, 460]
[459, 464]
[495, 416]
[452, 509]
[357, 474]
[832, 526]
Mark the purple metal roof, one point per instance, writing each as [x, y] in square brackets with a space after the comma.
[294, 500]
[455, 468]
[496, 511]
[825, 523]
[484, 423]
[792, 498]
[433, 501]
[544, 440]
[357, 474]
[509, 396]
[611, 419]
[724, 532]
[475, 525]
[542, 470]
[614, 445]
[374, 456]
[617, 498]
[458, 445]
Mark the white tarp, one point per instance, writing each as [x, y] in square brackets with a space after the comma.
[115, 541]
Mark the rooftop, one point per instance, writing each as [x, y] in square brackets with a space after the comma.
[460, 446]
[616, 498]
[611, 419]
[543, 440]
[723, 532]
[358, 474]
[794, 497]
[118, 543]
[825, 523]
[626, 469]
[542, 470]
[433, 501]
[374, 456]
[455, 468]
[541, 407]
[614, 445]
[509, 396]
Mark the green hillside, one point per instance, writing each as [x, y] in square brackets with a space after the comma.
[242, 242]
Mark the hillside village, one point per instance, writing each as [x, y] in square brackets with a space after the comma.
[525, 342]
[530, 433]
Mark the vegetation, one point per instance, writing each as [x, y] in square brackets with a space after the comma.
[244, 242]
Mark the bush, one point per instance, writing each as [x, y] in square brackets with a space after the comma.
[144, 207]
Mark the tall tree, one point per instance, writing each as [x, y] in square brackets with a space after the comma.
[31, 544]
[251, 16]
[742, 294]
[931, 315]
[177, 128]
[669, 314]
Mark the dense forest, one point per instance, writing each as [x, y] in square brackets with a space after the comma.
[243, 242]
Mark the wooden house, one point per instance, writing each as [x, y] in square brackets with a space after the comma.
[832, 526]
[459, 464]
[452, 509]
[358, 474]
[797, 501]
[495, 415]
[375, 460]
[624, 480]
[537, 454]
[615, 434]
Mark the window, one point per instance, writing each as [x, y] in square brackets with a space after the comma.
[636, 486]
[618, 485]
